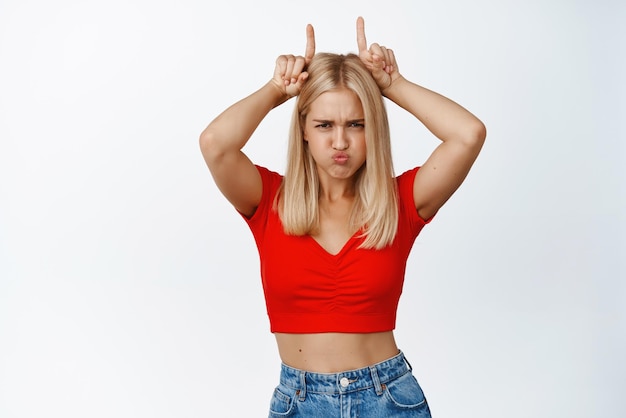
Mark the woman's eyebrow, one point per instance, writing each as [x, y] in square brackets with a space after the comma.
[332, 121]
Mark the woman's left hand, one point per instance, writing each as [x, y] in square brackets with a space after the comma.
[379, 60]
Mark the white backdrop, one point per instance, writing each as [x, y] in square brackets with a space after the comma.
[130, 288]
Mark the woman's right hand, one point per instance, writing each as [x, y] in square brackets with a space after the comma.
[290, 72]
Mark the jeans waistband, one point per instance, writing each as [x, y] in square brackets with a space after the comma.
[348, 381]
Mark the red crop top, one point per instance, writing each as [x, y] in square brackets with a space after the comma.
[308, 290]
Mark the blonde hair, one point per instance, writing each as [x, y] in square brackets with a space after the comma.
[376, 204]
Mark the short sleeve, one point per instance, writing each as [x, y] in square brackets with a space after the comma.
[271, 183]
[407, 202]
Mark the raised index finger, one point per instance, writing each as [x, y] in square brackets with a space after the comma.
[310, 44]
[360, 34]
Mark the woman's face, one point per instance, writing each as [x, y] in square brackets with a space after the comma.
[335, 131]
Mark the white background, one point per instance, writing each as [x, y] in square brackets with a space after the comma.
[130, 288]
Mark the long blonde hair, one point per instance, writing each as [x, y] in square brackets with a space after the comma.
[376, 205]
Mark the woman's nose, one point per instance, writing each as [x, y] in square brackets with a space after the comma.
[340, 142]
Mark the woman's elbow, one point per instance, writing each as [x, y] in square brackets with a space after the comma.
[205, 140]
[209, 146]
[475, 135]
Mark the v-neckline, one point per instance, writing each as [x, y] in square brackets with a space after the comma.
[343, 248]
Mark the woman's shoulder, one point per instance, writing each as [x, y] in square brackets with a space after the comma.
[407, 176]
[267, 172]
[406, 197]
[272, 182]
[268, 176]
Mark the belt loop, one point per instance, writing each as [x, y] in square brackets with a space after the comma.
[377, 385]
[302, 390]
[407, 363]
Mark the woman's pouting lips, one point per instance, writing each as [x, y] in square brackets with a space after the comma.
[340, 157]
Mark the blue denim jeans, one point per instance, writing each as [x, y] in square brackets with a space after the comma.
[387, 389]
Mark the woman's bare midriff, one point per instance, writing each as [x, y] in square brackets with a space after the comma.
[335, 352]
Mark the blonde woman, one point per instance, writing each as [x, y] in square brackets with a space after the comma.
[335, 231]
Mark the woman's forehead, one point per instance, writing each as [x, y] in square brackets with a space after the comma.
[334, 102]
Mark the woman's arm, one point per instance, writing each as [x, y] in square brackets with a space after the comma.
[223, 139]
[462, 136]
[461, 133]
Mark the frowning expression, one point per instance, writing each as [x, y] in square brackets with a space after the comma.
[335, 132]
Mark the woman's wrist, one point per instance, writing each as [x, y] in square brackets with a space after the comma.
[279, 96]
[392, 90]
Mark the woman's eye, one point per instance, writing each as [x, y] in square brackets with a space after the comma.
[357, 125]
[323, 125]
